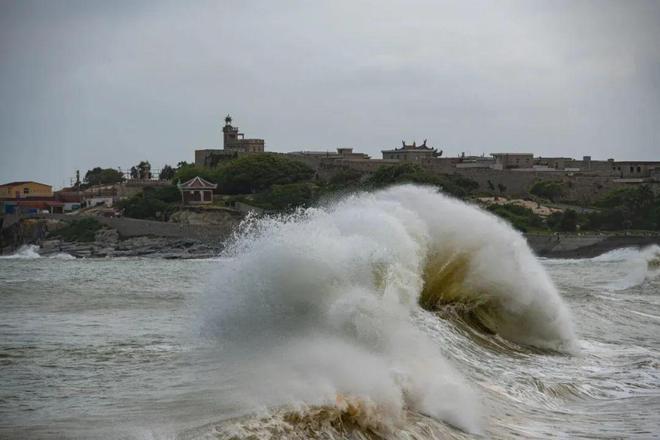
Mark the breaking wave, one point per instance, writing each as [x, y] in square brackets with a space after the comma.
[25, 252]
[314, 309]
[637, 265]
[31, 251]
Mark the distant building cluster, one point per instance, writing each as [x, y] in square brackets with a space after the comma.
[29, 197]
[234, 145]
[499, 173]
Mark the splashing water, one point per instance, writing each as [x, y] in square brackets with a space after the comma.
[25, 252]
[318, 304]
[638, 265]
[31, 251]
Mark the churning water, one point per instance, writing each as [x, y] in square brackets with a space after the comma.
[310, 326]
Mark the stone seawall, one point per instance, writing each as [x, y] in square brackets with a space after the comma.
[586, 245]
[130, 227]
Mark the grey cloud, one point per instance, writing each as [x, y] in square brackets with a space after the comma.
[111, 83]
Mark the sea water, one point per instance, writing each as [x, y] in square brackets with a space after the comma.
[309, 325]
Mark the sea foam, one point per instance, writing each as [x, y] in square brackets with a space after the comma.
[318, 304]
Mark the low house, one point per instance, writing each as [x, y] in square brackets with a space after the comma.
[197, 191]
[34, 205]
[25, 189]
[28, 197]
[72, 200]
[90, 201]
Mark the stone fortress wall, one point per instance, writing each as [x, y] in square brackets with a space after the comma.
[510, 174]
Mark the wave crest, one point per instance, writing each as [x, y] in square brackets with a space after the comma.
[319, 304]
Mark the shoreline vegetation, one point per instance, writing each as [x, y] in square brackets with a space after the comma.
[275, 184]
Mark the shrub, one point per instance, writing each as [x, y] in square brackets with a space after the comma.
[145, 207]
[400, 173]
[345, 177]
[568, 221]
[455, 185]
[167, 194]
[154, 204]
[625, 208]
[465, 183]
[78, 230]
[521, 218]
[547, 189]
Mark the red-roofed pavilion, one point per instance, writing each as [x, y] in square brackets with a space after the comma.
[197, 191]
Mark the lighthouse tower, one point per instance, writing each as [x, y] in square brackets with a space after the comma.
[230, 135]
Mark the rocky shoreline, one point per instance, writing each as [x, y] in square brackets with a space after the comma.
[586, 245]
[140, 238]
[107, 243]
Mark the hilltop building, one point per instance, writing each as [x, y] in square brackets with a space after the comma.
[506, 173]
[233, 140]
[234, 144]
[411, 152]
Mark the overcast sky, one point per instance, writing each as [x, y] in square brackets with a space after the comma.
[110, 83]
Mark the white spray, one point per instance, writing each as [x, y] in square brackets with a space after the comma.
[318, 305]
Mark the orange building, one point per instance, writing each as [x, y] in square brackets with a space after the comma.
[28, 197]
[25, 190]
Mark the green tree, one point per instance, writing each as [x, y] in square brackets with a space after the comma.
[254, 173]
[625, 208]
[288, 196]
[546, 189]
[189, 171]
[166, 173]
[143, 170]
[153, 204]
[103, 176]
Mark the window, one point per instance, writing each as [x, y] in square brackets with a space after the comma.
[26, 190]
[639, 169]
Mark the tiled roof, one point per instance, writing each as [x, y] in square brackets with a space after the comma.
[22, 182]
[197, 183]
